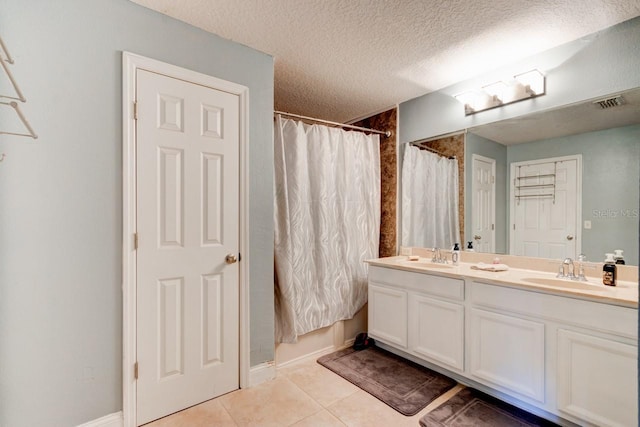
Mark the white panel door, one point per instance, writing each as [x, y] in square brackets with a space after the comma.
[388, 315]
[545, 216]
[188, 208]
[483, 188]
[436, 330]
[597, 379]
[507, 352]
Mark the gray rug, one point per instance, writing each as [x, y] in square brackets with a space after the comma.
[405, 386]
[471, 408]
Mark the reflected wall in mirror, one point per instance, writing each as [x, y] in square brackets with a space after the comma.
[605, 136]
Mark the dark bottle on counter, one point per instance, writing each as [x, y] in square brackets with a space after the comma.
[609, 271]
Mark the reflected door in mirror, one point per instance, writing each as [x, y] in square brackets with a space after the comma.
[483, 188]
[544, 208]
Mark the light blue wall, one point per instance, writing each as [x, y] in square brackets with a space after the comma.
[475, 144]
[61, 199]
[594, 66]
[610, 178]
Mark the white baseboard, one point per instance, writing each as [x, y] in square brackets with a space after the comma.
[306, 356]
[318, 353]
[111, 420]
[262, 373]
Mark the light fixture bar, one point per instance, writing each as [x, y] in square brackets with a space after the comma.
[523, 86]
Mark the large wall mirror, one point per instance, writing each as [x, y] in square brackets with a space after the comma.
[566, 181]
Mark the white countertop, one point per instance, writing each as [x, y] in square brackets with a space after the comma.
[623, 294]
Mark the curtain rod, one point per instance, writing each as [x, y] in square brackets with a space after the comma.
[444, 135]
[387, 133]
[433, 150]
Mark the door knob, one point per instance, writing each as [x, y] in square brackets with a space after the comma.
[570, 237]
[231, 259]
[477, 237]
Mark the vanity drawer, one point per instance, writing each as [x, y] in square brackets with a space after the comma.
[432, 284]
[595, 316]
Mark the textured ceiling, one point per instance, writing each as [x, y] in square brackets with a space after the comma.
[343, 59]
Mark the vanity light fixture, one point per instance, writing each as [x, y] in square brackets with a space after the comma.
[523, 86]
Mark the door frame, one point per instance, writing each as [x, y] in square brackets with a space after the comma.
[512, 200]
[130, 64]
[475, 157]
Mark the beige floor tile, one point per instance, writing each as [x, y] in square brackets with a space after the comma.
[361, 409]
[207, 414]
[320, 419]
[275, 403]
[321, 384]
[297, 366]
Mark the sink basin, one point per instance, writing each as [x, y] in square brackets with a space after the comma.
[427, 264]
[566, 284]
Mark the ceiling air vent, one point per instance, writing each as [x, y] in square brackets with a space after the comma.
[614, 101]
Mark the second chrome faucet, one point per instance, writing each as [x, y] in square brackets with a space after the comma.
[567, 269]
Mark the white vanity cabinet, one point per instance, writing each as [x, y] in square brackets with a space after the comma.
[388, 314]
[507, 352]
[597, 379]
[436, 330]
[421, 314]
[571, 357]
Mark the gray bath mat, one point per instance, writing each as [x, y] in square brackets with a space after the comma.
[405, 386]
[471, 408]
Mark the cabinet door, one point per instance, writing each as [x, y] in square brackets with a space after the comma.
[436, 330]
[388, 315]
[597, 379]
[508, 352]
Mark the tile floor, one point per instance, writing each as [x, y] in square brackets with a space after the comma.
[304, 394]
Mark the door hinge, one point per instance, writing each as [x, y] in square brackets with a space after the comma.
[493, 179]
[135, 241]
[514, 226]
[135, 370]
[135, 110]
[493, 226]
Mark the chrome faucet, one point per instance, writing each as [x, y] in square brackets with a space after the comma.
[437, 256]
[570, 270]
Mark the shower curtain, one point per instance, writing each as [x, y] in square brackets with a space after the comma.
[429, 199]
[327, 222]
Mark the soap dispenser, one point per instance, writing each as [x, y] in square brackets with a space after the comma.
[455, 254]
[618, 256]
[470, 247]
[609, 271]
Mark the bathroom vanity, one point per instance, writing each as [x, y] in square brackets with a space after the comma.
[552, 346]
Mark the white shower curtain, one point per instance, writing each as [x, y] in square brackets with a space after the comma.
[327, 222]
[429, 199]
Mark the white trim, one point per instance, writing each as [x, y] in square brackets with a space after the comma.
[130, 63]
[512, 169]
[317, 353]
[493, 194]
[262, 373]
[111, 420]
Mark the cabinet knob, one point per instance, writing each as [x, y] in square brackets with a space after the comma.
[477, 237]
[570, 237]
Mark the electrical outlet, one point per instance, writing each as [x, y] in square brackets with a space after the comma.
[587, 225]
